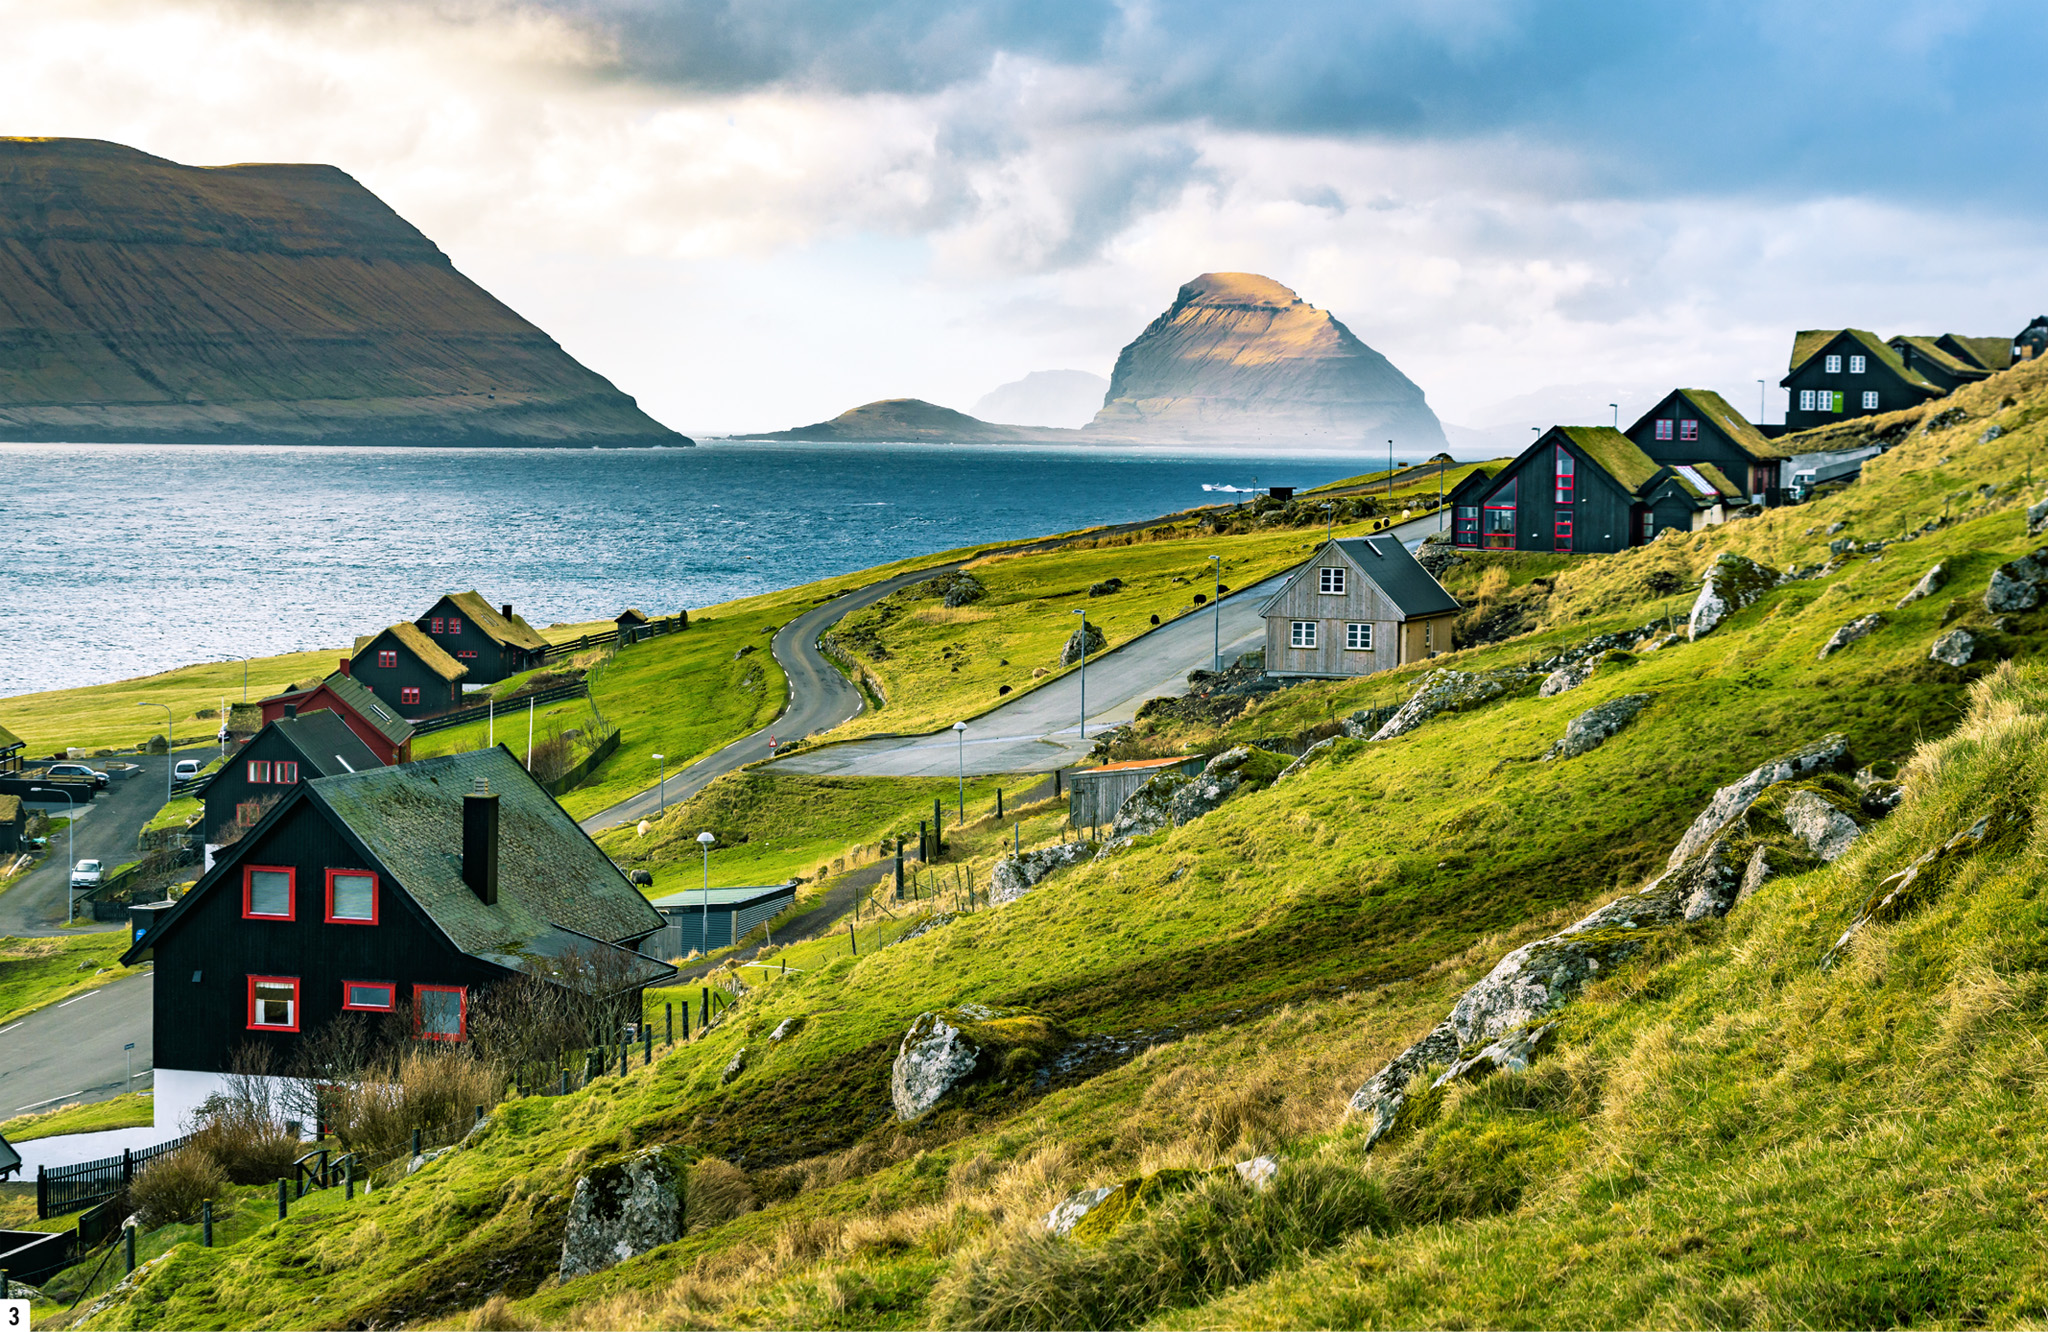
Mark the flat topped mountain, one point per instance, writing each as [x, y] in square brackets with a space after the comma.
[912, 421]
[1238, 356]
[145, 301]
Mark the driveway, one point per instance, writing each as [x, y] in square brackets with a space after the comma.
[72, 1051]
[106, 832]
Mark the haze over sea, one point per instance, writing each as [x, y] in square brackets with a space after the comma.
[125, 560]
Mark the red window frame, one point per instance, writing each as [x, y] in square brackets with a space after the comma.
[250, 1012]
[390, 996]
[285, 772]
[435, 625]
[1465, 526]
[1561, 537]
[1688, 431]
[461, 1022]
[257, 773]
[387, 659]
[455, 626]
[1664, 428]
[1566, 469]
[248, 812]
[291, 891]
[408, 694]
[466, 654]
[376, 897]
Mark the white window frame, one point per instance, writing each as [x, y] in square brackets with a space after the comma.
[1330, 579]
[1806, 400]
[1834, 365]
[1870, 400]
[1857, 365]
[1358, 638]
[1302, 634]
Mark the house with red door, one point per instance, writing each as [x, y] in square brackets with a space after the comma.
[491, 642]
[408, 672]
[388, 735]
[397, 894]
[1588, 489]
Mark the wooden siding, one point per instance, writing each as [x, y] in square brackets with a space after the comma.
[684, 932]
[1095, 795]
[201, 1022]
[390, 682]
[231, 787]
[1600, 514]
[489, 661]
[1361, 602]
[322, 699]
[1713, 446]
[1893, 393]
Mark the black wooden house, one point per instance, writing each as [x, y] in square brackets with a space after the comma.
[400, 891]
[492, 642]
[285, 752]
[1699, 426]
[11, 746]
[408, 671]
[1588, 489]
[1843, 372]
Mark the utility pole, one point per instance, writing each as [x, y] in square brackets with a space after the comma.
[1084, 673]
[1216, 653]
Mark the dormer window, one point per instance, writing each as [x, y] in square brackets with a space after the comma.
[1834, 365]
[1332, 581]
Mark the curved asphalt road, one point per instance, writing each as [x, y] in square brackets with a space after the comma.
[71, 1051]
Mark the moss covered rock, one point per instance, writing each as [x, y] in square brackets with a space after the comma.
[1731, 582]
[949, 1047]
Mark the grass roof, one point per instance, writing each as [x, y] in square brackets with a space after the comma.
[1806, 345]
[1932, 349]
[10, 808]
[430, 653]
[511, 631]
[1991, 353]
[9, 740]
[1810, 343]
[1711, 406]
[1614, 453]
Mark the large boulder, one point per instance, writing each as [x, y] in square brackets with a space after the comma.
[1241, 768]
[1444, 690]
[1817, 821]
[1014, 876]
[1954, 648]
[1731, 800]
[1731, 582]
[952, 1046]
[2016, 586]
[1592, 728]
[624, 1209]
[1859, 628]
[1930, 582]
[1566, 678]
[2037, 518]
[1094, 642]
[1150, 807]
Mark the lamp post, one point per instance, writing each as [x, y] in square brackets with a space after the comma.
[245, 674]
[1390, 474]
[170, 746]
[1617, 414]
[1216, 651]
[1759, 402]
[705, 839]
[1084, 674]
[70, 849]
[662, 783]
[960, 734]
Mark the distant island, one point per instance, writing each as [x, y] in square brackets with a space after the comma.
[1236, 359]
[150, 302]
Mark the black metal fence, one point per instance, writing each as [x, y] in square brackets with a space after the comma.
[631, 634]
[68, 1188]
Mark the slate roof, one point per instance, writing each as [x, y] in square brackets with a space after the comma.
[327, 743]
[369, 707]
[1614, 453]
[514, 632]
[430, 653]
[1394, 571]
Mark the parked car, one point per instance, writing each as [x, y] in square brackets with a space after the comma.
[186, 770]
[85, 874]
[83, 771]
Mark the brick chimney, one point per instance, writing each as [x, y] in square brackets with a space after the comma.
[291, 710]
[480, 842]
[344, 665]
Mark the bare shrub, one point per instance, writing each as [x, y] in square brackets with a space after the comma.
[171, 1188]
[241, 1126]
[716, 1192]
[433, 1090]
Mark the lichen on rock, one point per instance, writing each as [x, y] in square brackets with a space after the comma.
[1445, 690]
[949, 1047]
[2016, 585]
[1930, 582]
[624, 1209]
[1955, 648]
[1593, 727]
[1731, 583]
[1016, 875]
[1859, 628]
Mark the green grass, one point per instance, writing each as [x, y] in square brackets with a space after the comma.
[35, 973]
[108, 716]
[1419, 481]
[128, 1110]
[175, 814]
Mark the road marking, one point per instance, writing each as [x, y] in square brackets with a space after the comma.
[5, 1030]
[19, 1108]
[89, 994]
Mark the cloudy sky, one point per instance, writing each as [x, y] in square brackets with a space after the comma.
[755, 214]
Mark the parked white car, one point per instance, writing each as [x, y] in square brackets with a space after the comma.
[186, 770]
[85, 874]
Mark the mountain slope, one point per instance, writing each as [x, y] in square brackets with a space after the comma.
[1239, 357]
[142, 300]
[1067, 399]
[915, 421]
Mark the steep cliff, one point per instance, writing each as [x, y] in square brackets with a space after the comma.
[145, 301]
[1238, 357]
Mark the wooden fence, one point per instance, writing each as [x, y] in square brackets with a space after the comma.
[654, 628]
[584, 766]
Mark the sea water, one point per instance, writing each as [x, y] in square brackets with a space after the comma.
[122, 560]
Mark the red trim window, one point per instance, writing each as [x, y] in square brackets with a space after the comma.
[269, 892]
[467, 654]
[1688, 431]
[1562, 537]
[284, 773]
[248, 812]
[351, 897]
[387, 658]
[259, 772]
[1664, 429]
[455, 626]
[273, 1003]
[1499, 530]
[1465, 526]
[369, 996]
[441, 1012]
[434, 626]
[409, 694]
[1567, 475]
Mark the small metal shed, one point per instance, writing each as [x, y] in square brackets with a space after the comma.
[1094, 795]
[700, 920]
[143, 916]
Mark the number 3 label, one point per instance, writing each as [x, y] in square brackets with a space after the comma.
[14, 1314]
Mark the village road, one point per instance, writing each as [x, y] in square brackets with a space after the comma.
[71, 1051]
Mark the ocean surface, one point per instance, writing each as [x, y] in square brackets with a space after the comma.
[125, 560]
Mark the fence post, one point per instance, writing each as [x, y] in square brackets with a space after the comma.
[899, 869]
[853, 941]
[206, 1224]
[348, 1178]
[415, 1142]
[999, 803]
[565, 1082]
[625, 1056]
[646, 1045]
[704, 1016]
[686, 1022]
[283, 1197]
[127, 1167]
[938, 827]
[1055, 783]
[668, 1022]
[128, 1246]
[42, 1193]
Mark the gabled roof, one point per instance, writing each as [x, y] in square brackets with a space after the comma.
[1708, 405]
[692, 899]
[1394, 571]
[9, 740]
[1992, 353]
[1474, 481]
[629, 616]
[326, 742]
[1810, 343]
[1932, 349]
[10, 808]
[430, 653]
[513, 632]
[364, 704]
[1613, 452]
[556, 890]
[1719, 479]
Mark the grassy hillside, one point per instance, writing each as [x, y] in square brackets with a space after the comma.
[1723, 1131]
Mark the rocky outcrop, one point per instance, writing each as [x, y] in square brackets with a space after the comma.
[1901, 892]
[1094, 640]
[1566, 678]
[734, 1067]
[2037, 518]
[1816, 821]
[1445, 690]
[1732, 799]
[1930, 582]
[1238, 357]
[1731, 582]
[1173, 800]
[622, 1210]
[269, 303]
[1438, 556]
[952, 1046]
[1955, 648]
[1859, 628]
[1593, 727]
[2016, 586]
[1147, 809]
[1014, 876]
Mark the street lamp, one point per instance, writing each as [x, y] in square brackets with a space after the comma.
[1084, 674]
[1617, 414]
[70, 849]
[1216, 634]
[705, 839]
[245, 674]
[1759, 402]
[170, 764]
[662, 786]
[960, 734]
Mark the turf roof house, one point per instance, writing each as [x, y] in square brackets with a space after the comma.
[408, 672]
[388, 735]
[493, 644]
[1951, 360]
[1362, 604]
[1590, 490]
[285, 752]
[13, 825]
[1698, 426]
[403, 891]
[11, 746]
[2032, 342]
[1843, 372]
